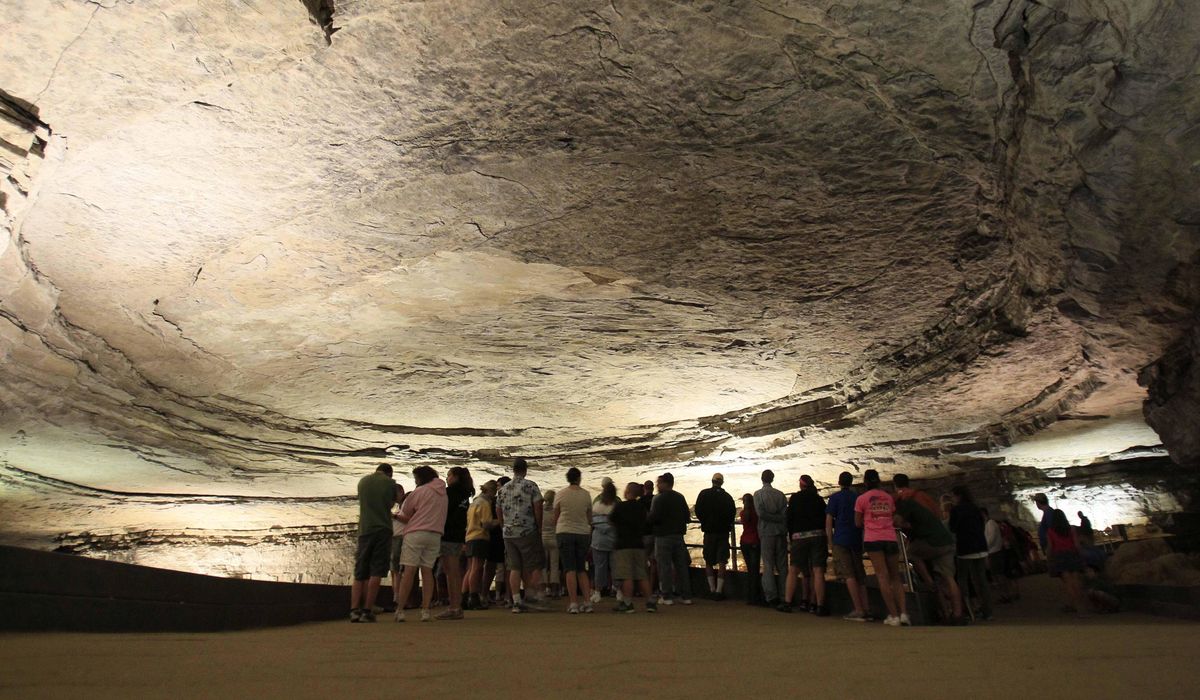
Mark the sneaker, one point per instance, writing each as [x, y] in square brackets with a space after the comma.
[595, 596]
[651, 606]
[586, 608]
[685, 601]
[400, 615]
[450, 614]
[535, 605]
[518, 608]
[905, 621]
[663, 600]
[620, 598]
[425, 616]
[624, 607]
[356, 615]
[822, 611]
[892, 621]
[367, 616]
[855, 616]
[573, 609]
[783, 608]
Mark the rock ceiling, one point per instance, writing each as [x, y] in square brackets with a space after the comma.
[252, 247]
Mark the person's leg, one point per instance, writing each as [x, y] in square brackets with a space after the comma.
[662, 556]
[427, 587]
[682, 563]
[982, 586]
[752, 556]
[781, 565]
[769, 575]
[720, 579]
[372, 592]
[883, 577]
[962, 579]
[407, 574]
[893, 564]
[818, 585]
[356, 593]
[453, 568]
[858, 595]
[789, 591]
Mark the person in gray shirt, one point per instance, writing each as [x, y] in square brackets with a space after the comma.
[771, 505]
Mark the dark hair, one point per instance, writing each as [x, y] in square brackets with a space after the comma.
[1085, 525]
[900, 481]
[1059, 522]
[608, 493]
[464, 478]
[423, 475]
[768, 476]
[871, 479]
[633, 485]
[667, 479]
[845, 480]
[574, 475]
[806, 480]
[503, 480]
[964, 494]
[385, 468]
[520, 466]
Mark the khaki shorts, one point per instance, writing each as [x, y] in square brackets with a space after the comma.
[629, 565]
[940, 560]
[421, 549]
[524, 553]
[848, 564]
[452, 549]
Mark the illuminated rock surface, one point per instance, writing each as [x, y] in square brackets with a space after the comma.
[247, 256]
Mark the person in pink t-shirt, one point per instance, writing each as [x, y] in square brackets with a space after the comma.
[424, 518]
[873, 512]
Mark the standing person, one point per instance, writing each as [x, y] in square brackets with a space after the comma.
[424, 518]
[966, 522]
[629, 557]
[604, 483]
[873, 512]
[847, 539]
[550, 544]
[1065, 559]
[771, 506]
[572, 529]
[997, 562]
[497, 575]
[669, 516]
[604, 539]
[716, 511]
[808, 546]
[376, 494]
[519, 507]
[460, 488]
[931, 547]
[647, 500]
[397, 543]
[904, 492]
[480, 523]
[1043, 504]
[751, 551]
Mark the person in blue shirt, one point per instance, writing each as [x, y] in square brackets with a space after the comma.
[1043, 504]
[847, 539]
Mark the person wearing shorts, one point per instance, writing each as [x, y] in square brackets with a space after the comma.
[716, 512]
[931, 548]
[480, 524]
[424, 518]
[397, 543]
[873, 512]
[847, 545]
[572, 534]
[376, 494]
[519, 507]
[629, 556]
[807, 547]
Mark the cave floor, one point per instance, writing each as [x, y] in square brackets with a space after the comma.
[711, 648]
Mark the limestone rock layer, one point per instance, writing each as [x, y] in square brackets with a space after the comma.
[251, 248]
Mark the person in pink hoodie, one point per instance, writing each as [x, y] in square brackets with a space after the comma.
[424, 517]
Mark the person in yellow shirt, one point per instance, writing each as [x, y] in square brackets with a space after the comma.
[480, 523]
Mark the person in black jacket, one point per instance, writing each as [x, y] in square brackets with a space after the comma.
[808, 546]
[967, 524]
[669, 515]
[629, 556]
[715, 511]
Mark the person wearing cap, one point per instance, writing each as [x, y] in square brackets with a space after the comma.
[716, 511]
[668, 519]
[771, 506]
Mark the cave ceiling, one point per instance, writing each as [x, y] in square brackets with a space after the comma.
[253, 247]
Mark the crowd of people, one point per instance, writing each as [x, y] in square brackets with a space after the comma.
[512, 545]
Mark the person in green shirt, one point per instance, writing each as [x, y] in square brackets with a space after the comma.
[376, 494]
[931, 548]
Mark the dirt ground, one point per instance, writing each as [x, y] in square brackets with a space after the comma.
[709, 649]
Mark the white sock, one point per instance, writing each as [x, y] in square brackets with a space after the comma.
[712, 583]
[720, 585]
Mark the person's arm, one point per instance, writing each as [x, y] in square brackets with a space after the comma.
[829, 528]
[406, 511]
[538, 505]
[557, 512]
[655, 510]
[859, 514]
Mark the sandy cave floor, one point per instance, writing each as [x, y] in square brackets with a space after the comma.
[709, 649]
